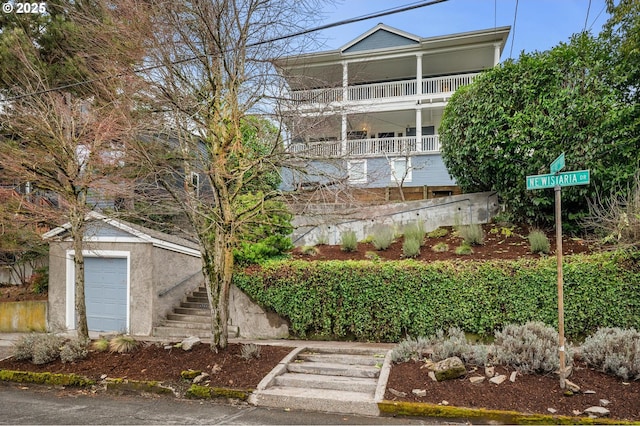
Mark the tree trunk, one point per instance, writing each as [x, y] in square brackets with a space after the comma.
[218, 266]
[77, 235]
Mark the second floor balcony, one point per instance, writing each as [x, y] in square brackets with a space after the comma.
[429, 87]
[378, 147]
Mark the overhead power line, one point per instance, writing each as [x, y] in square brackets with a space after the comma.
[373, 15]
[513, 33]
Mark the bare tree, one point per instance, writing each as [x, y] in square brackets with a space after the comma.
[214, 70]
[66, 142]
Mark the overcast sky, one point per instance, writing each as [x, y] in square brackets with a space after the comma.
[539, 24]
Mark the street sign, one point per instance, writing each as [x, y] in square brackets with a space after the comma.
[558, 164]
[578, 177]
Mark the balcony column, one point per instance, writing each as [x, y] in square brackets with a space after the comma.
[345, 81]
[496, 54]
[419, 146]
[419, 74]
[343, 136]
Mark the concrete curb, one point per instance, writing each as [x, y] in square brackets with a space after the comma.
[383, 378]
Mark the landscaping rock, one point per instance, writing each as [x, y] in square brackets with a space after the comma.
[200, 377]
[188, 343]
[397, 393]
[419, 392]
[552, 410]
[572, 386]
[450, 368]
[512, 377]
[432, 376]
[597, 411]
[477, 379]
[604, 402]
[498, 380]
[489, 371]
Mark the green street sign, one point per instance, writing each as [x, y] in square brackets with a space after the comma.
[558, 164]
[578, 177]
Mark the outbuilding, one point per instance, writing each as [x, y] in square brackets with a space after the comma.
[134, 275]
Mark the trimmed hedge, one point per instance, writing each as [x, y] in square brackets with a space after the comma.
[385, 301]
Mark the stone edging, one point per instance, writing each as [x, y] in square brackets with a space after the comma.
[389, 408]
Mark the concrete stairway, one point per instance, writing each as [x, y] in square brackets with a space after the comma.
[349, 381]
[191, 318]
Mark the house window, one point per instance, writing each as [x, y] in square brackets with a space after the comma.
[357, 171]
[194, 180]
[401, 170]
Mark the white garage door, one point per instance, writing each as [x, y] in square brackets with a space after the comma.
[106, 293]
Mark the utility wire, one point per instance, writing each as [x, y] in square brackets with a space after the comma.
[513, 34]
[586, 19]
[373, 15]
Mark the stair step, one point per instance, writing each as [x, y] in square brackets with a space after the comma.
[331, 400]
[371, 360]
[195, 305]
[192, 311]
[200, 294]
[317, 381]
[193, 299]
[332, 369]
[187, 325]
[190, 318]
[179, 332]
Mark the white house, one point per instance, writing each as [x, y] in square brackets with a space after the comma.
[368, 113]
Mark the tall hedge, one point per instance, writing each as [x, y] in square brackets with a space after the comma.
[385, 301]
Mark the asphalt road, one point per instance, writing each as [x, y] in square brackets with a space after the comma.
[44, 405]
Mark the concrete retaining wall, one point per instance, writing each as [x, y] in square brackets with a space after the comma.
[23, 317]
[328, 224]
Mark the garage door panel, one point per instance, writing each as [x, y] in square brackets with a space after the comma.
[106, 293]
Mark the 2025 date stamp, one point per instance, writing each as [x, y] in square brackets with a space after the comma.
[20, 8]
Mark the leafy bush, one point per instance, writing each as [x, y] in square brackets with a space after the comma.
[23, 347]
[464, 249]
[349, 241]
[438, 233]
[250, 351]
[440, 247]
[472, 234]
[441, 346]
[415, 231]
[411, 247]
[46, 348]
[122, 344]
[386, 301]
[267, 249]
[539, 242]
[614, 350]
[529, 348]
[382, 237]
[74, 350]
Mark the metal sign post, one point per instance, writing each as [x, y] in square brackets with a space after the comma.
[557, 180]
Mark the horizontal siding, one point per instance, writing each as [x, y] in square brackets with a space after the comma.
[381, 39]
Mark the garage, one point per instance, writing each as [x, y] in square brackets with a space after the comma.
[106, 293]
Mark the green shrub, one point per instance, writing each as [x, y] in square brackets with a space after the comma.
[438, 233]
[529, 348]
[256, 253]
[411, 349]
[349, 241]
[372, 255]
[46, 348]
[382, 237]
[614, 350]
[309, 250]
[464, 249]
[123, 344]
[386, 301]
[440, 247]
[323, 239]
[472, 234]
[74, 349]
[539, 242]
[415, 231]
[411, 247]
[23, 347]
[250, 351]
[100, 345]
[41, 280]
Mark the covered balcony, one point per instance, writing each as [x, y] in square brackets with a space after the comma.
[430, 87]
[379, 147]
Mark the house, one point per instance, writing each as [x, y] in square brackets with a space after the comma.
[367, 114]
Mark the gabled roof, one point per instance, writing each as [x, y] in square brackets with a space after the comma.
[121, 231]
[380, 37]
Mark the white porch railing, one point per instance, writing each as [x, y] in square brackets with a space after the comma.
[393, 89]
[406, 145]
